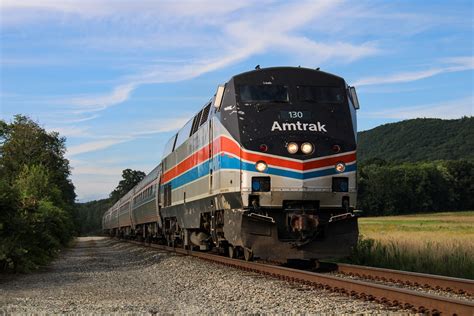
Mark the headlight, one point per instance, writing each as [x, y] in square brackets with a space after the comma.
[340, 167]
[307, 148]
[261, 166]
[292, 148]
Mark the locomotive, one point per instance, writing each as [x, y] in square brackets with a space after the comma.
[267, 169]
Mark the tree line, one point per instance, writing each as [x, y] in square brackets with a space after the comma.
[89, 214]
[392, 188]
[36, 195]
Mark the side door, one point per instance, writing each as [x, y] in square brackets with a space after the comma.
[158, 197]
[211, 156]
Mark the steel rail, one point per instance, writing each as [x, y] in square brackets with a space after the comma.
[389, 295]
[461, 286]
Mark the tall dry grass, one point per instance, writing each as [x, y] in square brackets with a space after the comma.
[435, 243]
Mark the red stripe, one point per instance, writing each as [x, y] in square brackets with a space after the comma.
[225, 145]
[329, 161]
[196, 158]
[297, 165]
[229, 146]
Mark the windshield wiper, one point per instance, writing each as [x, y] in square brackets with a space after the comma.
[276, 101]
[260, 107]
[265, 104]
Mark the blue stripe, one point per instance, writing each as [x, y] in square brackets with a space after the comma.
[232, 163]
[191, 175]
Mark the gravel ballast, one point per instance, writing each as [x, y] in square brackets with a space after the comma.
[100, 275]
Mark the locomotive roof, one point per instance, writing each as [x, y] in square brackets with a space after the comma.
[286, 68]
[148, 178]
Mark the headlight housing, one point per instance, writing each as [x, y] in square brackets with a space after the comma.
[261, 166]
[340, 167]
[307, 148]
[292, 148]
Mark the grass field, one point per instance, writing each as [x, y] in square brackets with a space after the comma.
[438, 243]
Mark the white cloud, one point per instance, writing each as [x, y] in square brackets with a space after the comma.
[159, 126]
[316, 53]
[96, 180]
[71, 131]
[255, 32]
[456, 64]
[79, 119]
[446, 110]
[112, 7]
[100, 102]
[31, 11]
[32, 61]
[240, 29]
[134, 131]
[94, 186]
[461, 62]
[94, 145]
[94, 170]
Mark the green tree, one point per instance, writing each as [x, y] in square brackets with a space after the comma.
[392, 189]
[89, 216]
[461, 173]
[130, 178]
[24, 142]
[36, 195]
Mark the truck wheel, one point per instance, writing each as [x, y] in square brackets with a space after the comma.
[248, 254]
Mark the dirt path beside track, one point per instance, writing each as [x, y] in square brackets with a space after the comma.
[100, 275]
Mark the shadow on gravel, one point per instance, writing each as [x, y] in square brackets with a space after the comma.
[87, 259]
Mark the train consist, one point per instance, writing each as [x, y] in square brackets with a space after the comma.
[267, 168]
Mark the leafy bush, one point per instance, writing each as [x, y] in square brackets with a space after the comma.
[36, 196]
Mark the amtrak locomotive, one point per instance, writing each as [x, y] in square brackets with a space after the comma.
[266, 169]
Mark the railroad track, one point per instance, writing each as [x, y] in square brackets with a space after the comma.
[435, 282]
[389, 295]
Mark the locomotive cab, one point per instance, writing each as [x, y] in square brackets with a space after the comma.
[297, 132]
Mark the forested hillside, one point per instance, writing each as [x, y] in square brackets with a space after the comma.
[419, 140]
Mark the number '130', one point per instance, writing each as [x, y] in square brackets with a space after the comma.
[296, 114]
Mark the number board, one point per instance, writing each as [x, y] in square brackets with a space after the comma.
[294, 115]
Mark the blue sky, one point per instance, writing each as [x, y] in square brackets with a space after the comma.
[118, 77]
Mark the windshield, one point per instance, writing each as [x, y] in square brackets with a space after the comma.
[320, 94]
[263, 93]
